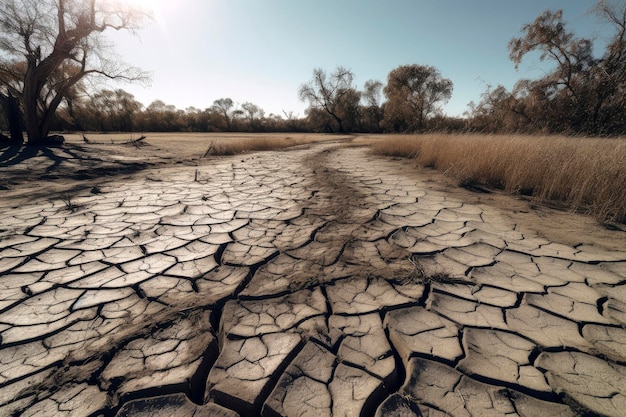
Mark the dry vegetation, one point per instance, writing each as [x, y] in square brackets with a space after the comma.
[258, 143]
[583, 174]
[194, 145]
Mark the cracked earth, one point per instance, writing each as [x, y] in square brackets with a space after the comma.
[320, 281]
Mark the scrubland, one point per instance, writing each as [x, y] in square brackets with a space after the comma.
[582, 174]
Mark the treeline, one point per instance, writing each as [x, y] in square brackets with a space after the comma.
[119, 111]
[584, 94]
[336, 106]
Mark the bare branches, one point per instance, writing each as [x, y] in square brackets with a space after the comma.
[52, 36]
[372, 92]
[329, 94]
[616, 16]
[583, 92]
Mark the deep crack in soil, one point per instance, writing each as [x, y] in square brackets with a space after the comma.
[320, 281]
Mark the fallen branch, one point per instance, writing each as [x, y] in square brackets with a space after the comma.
[208, 151]
[93, 142]
[135, 142]
[139, 139]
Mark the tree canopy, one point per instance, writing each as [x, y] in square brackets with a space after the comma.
[583, 93]
[335, 95]
[414, 92]
[49, 46]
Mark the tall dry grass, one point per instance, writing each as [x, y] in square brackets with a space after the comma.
[583, 174]
[259, 143]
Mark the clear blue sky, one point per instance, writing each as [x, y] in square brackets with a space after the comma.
[261, 51]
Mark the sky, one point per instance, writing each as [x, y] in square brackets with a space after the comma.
[261, 51]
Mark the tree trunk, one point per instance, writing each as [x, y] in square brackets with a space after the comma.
[338, 120]
[35, 136]
[13, 116]
[38, 125]
[31, 118]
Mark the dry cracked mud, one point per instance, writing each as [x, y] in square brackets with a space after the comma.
[321, 281]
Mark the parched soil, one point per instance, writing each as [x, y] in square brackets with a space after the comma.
[315, 281]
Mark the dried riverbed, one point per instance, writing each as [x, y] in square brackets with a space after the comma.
[319, 281]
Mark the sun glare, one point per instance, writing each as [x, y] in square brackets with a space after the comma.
[144, 5]
[157, 9]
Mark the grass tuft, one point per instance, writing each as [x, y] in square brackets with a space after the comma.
[582, 174]
[69, 203]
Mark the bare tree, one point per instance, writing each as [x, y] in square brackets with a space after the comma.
[330, 93]
[373, 111]
[583, 93]
[254, 114]
[223, 108]
[548, 35]
[372, 92]
[50, 45]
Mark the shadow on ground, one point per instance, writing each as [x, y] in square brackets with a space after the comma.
[63, 169]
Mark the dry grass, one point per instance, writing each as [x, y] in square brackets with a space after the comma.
[186, 146]
[583, 174]
[260, 143]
